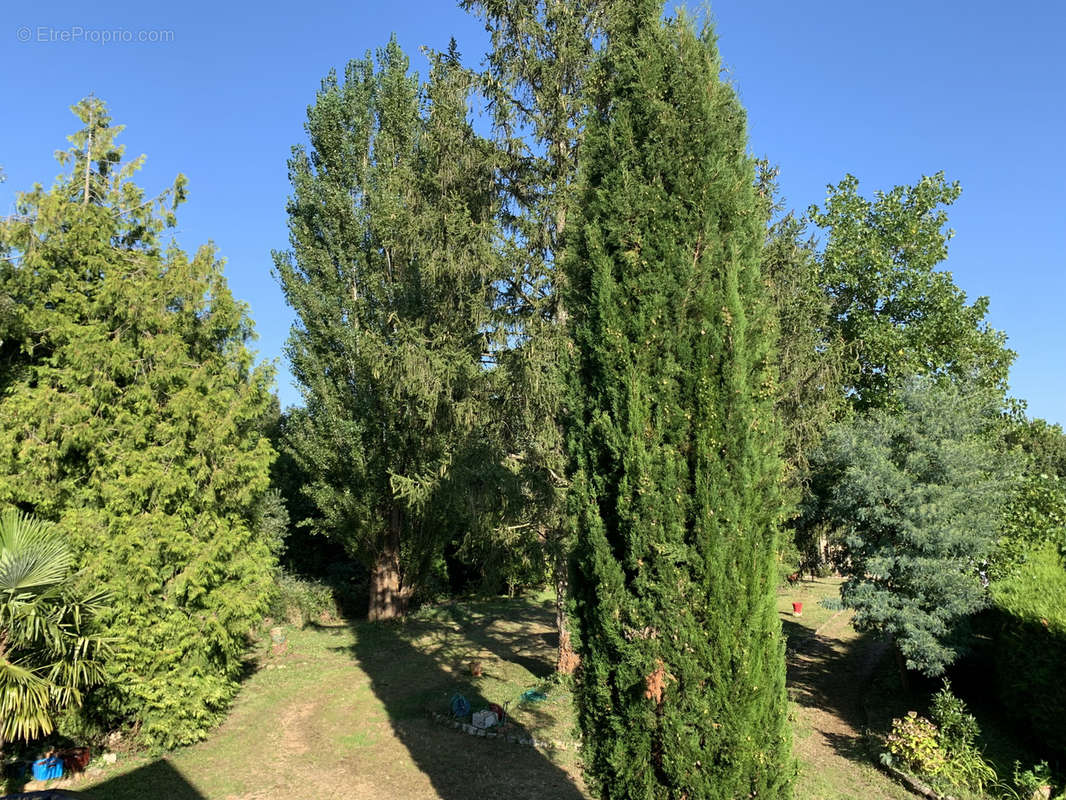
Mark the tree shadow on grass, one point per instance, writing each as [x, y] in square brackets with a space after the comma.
[532, 651]
[416, 667]
[837, 676]
[159, 780]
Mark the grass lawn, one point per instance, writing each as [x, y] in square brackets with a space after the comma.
[340, 711]
[830, 667]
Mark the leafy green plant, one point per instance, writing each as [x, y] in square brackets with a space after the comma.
[48, 654]
[1028, 782]
[958, 728]
[298, 601]
[942, 750]
[915, 744]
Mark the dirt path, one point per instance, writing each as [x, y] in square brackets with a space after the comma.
[829, 668]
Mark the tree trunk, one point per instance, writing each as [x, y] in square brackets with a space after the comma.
[901, 665]
[388, 598]
[567, 659]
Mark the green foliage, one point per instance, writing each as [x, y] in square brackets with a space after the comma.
[299, 601]
[535, 79]
[1044, 445]
[915, 742]
[1030, 644]
[964, 767]
[942, 751]
[810, 352]
[130, 414]
[1034, 515]
[895, 312]
[918, 493]
[1027, 782]
[1035, 511]
[958, 727]
[391, 275]
[810, 371]
[677, 476]
[49, 653]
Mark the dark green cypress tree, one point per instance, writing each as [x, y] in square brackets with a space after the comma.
[672, 434]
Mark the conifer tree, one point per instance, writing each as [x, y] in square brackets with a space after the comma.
[919, 494]
[534, 83]
[129, 412]
[677, 475]
[391, 277]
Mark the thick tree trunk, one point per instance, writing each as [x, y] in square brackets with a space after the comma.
[388, 597]
[567, 659]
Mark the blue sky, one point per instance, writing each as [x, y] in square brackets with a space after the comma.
[886, 91]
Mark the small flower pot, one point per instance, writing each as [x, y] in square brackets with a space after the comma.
[797, 609]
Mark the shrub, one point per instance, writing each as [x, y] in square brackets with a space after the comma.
[1027, 782]
[964, 766]
[916, 746]
[1030, 644]
[299, 601]
[942, 750]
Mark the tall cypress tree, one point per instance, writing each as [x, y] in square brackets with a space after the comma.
[672, 433]
[391, 276]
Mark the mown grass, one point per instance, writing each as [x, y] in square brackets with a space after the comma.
[343, 710]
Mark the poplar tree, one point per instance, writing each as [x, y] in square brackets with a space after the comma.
[895, 311]
[129, 414]
[677, 474]
[391, 277]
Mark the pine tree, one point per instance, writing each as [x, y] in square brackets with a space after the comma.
[391, 277]
[535, 84]
[129, 411]
[677, 475]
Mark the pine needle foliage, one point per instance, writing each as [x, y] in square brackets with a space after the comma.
[129, 415]
[391, 275]
[675, 450]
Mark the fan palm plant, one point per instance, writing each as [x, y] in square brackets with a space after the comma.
[48, 655]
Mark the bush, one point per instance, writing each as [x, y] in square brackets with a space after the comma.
[942, 750]
[1030, 645]
[915, 743]
[1027, 782]
[964, 767]
[299, 601]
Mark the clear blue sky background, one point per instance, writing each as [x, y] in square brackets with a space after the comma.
[886, 91]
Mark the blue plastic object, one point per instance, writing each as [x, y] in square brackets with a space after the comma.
[460, 706]
[45, 769]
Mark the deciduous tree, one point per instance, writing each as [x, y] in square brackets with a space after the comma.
[896, 312]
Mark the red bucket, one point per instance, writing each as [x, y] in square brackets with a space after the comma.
[797, 609]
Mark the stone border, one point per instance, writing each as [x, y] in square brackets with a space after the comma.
[539, 744]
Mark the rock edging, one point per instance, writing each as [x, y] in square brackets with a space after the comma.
[527, 741]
